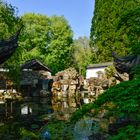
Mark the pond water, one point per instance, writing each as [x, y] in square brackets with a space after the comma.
[34, 115]
[29, 106]
[30, 110]
[26, 112]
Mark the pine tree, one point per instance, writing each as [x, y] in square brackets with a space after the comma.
[105, 34]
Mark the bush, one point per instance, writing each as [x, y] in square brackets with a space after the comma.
[121, 102]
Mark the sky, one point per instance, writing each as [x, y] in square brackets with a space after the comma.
[78, 13]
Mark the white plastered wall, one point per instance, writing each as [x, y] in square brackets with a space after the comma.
[92, 72]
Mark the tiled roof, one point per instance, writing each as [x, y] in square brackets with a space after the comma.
[8, 47]
[35, 64]
[100, 65]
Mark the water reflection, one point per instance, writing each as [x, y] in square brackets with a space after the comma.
[26, 109]
[31, 109]
[29, 106]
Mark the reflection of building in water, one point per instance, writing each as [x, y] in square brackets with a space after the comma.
[33, 106]
[26, 109]
[36, 106]
[7, 108]
[2, 108]
[36, 79]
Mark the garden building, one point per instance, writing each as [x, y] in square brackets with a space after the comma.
[36, 78]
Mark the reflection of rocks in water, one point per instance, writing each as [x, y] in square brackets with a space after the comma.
[64, 90]
[63, 114]
[44, 93]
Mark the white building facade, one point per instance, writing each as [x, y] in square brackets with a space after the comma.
[92, 70]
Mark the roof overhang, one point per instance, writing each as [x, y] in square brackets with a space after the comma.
[100, 65]
[35, 64]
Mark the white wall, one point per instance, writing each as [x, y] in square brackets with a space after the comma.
[92, 72]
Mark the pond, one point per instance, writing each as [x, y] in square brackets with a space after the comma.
[28, 106]
[26, 111]
[32, 109]
[33, 114]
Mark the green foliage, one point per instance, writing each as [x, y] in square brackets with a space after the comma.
[9, 21]
[57, 130]
[136, 71]
[3, 130]
[45, 38]
[48, 39]
[125, 96]
[59, 49]
[135, 48]
[81, 112]
[14, 131]
[25, 134]
[122, 100]
[34, 38]
[83, 54]
[129, 24]
[105, 32]
[9, 24]
[129, 132]
[110, 71]
[14, 74]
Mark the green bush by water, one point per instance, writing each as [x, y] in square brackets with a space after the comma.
[120, 101]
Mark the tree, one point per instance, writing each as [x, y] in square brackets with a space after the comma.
[59, 49]
[9, 24]
[130, 24]
[104, 24]
[48, 39]
[119, 103]
[83, 54]
[9, 21]
[34, 38]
